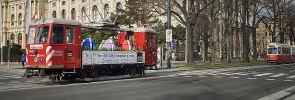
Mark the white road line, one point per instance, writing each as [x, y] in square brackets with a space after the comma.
[202, 76]
[251, 78]
[234, 77]
[293, 76]
[183, 74]
[263, 74]
[218, 76]
[212, 74]
[288, 80]
[270, 79]
[241, 73]
[187, 76]
[226, 73]
[278, 75]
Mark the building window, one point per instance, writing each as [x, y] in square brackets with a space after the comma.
[73, 13]
[53, 4]
[106, 11]
[54, 14]
[12, 36]
[19, 39]
[12, 8]
[63, 3]
[73, 1]
[119, 5]
[94, 13]
[20, 7]
[12, 20]
[83, 0]
[20, 19]
[83, 11]
[63, 14]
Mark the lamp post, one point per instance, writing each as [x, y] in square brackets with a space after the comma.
[1, 43]
[168, 44]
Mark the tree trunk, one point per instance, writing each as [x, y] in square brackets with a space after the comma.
[245, 33]
[189, 58]
[214, 53]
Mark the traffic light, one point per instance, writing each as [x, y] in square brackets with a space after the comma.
[7, 42]
[12, 42]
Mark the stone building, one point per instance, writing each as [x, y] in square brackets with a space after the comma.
[13, 17]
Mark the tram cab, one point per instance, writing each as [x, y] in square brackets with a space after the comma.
[54, 43]
[141, 39]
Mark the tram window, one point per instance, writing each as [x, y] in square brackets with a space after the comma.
[42, 34]
[57, 34]
[31, 35]
[70, 34]
[280, 50]
[272, 51]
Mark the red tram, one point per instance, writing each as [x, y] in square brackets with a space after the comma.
[280, 53]
[54, 50]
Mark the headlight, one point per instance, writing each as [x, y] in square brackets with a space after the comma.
[36, 60]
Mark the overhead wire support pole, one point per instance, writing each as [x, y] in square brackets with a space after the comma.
[168, 44]
[1, 22]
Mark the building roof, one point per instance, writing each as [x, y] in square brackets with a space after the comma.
[56, 21]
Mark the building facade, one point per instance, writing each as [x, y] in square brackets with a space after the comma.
[13, 17]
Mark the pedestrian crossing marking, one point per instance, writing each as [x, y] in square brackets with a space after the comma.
[263, 74]
[293, 76]
[288, 80]
[251, 78]
[278, 75]
[270, 79]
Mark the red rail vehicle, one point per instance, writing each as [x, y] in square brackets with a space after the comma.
[280, 53]
[54, 49]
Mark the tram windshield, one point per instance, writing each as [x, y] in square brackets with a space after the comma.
[42, 34]
[272, 51]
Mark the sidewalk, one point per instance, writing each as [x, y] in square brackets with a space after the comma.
[11, 66]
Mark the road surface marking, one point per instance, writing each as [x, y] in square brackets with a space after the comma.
[270, 79]
[263, 74]
[187, 76]
[288, 80]
[211, 73]
[202, 76]
[293, 76]
[218, 76]
[241, 73]
[251, 78]
[226, 73]
[234, 77]
[278, 75]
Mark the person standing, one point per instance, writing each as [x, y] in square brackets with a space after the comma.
[23, 59]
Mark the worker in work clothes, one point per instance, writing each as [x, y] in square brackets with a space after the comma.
[23, 59]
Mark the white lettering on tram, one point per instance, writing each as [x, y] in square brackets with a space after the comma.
[36, 46]
[58, 53]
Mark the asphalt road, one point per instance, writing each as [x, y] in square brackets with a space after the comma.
[249, 83]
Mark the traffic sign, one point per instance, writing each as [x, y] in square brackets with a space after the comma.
[172, 44]
[168, 35]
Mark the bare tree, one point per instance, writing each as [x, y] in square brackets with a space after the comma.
[274, 10]
[186, 12]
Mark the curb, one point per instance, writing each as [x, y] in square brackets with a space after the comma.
[281, 95]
